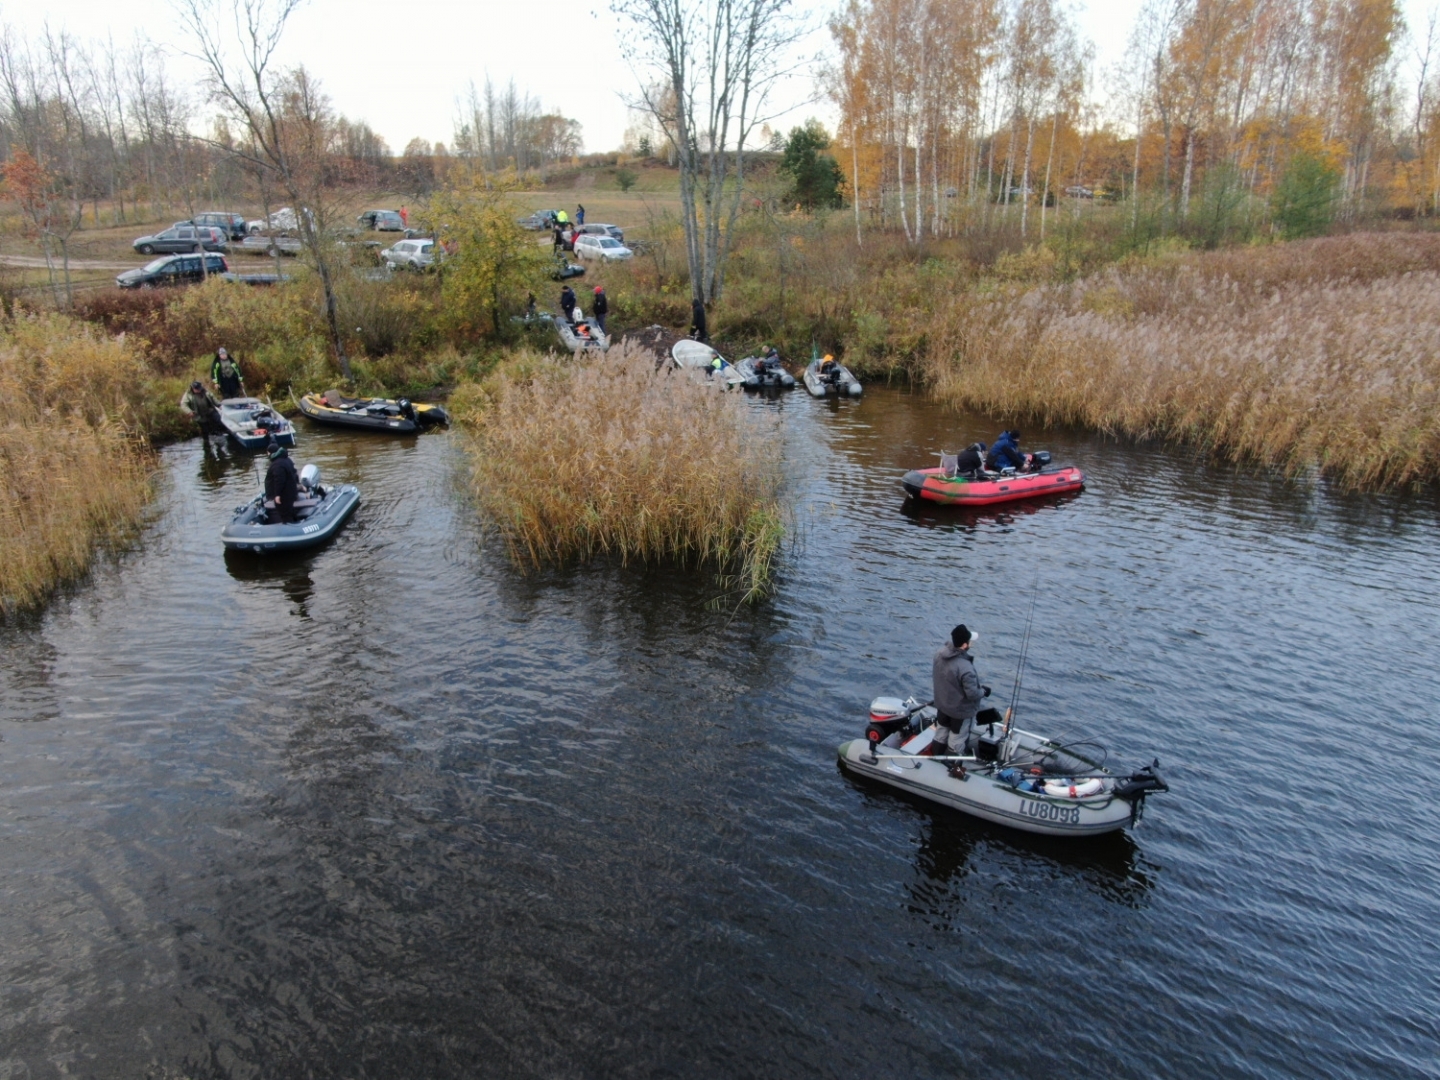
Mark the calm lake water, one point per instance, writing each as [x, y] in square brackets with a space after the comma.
[392, 809]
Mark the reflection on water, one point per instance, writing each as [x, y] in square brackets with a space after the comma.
[934, 515]
[390, 807]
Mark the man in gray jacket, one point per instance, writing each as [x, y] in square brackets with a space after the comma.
[958, 693]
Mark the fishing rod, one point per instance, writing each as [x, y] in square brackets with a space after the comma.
[1024, 652]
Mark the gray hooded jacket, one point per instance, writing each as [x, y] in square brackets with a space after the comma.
[957, 687]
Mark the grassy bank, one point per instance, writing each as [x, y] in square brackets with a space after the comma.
[74, 473]
[1324, 353]
[612, 457]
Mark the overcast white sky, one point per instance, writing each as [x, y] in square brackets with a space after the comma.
[401, 67]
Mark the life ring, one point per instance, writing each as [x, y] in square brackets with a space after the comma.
[1073, 789]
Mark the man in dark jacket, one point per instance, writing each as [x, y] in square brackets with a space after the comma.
[601, 308]
[971, 460]
[282, 485]
[958, 694]
[567, 303]
[200, 405]
[698, 329]
[1005, 454]
[225, 373]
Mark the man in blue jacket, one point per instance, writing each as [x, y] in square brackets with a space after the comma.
[1005, 454]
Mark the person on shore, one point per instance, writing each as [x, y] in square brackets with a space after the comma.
[958, 694]
[579, 215]
[601, 306]
[1005, 454]
[562, 218]
[202, 407]
[282, 486]
[529, 306]
[405, 217]
[568, 302]
[698, 330]
[225, 373]
[559, 240]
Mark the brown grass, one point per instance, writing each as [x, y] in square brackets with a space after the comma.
[612, 457]
[72, 475]
[1317, 354]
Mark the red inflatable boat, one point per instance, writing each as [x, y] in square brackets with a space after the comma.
[991, 488]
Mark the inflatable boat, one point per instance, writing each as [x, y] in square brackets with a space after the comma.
[581, 335]
[1005, 776]
[321, 510]
[834, 380]
[699, 357]
[370, 414]
[944, 485]
[769, 377]
[251, 424]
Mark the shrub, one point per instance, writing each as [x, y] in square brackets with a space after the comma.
[614, 457]
[72, 474]
[1323, 353]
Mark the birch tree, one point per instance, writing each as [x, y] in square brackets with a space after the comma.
[707, 68]
[282, 114]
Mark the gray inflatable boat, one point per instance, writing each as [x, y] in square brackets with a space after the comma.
[1006, 776]
[321, 511]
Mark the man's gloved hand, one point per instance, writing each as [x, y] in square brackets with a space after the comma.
[986, 689]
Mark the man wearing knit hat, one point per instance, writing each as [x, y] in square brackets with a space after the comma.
[282, 485]
[958, 694]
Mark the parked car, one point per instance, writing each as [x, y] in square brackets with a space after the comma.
[256, 279]
[410, 255]
[282, 220]
[260, 244]
[182, 238]
[540, 219]
[381, 221]
[598, 229]
[604, 248]
[232, 225]
[172, 270]
[1079, 191]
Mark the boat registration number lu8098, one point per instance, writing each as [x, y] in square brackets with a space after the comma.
[1048, 811]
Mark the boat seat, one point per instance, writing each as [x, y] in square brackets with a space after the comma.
[337, 400]
[949, 465]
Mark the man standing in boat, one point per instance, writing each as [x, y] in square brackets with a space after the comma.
[282, 485]
[958, 694]
[225, 373]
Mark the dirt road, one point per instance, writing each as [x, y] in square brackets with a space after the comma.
[37, 262]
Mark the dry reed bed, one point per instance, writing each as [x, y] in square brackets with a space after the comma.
[611, 457]
[72, 475]
[1325, 353]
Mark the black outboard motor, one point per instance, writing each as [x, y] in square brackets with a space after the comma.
[407, 410]
[1039, 459]
[1138, 785]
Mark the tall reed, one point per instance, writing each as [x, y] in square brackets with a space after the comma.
[614, 457]
[1324, 353]
[73, 476]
